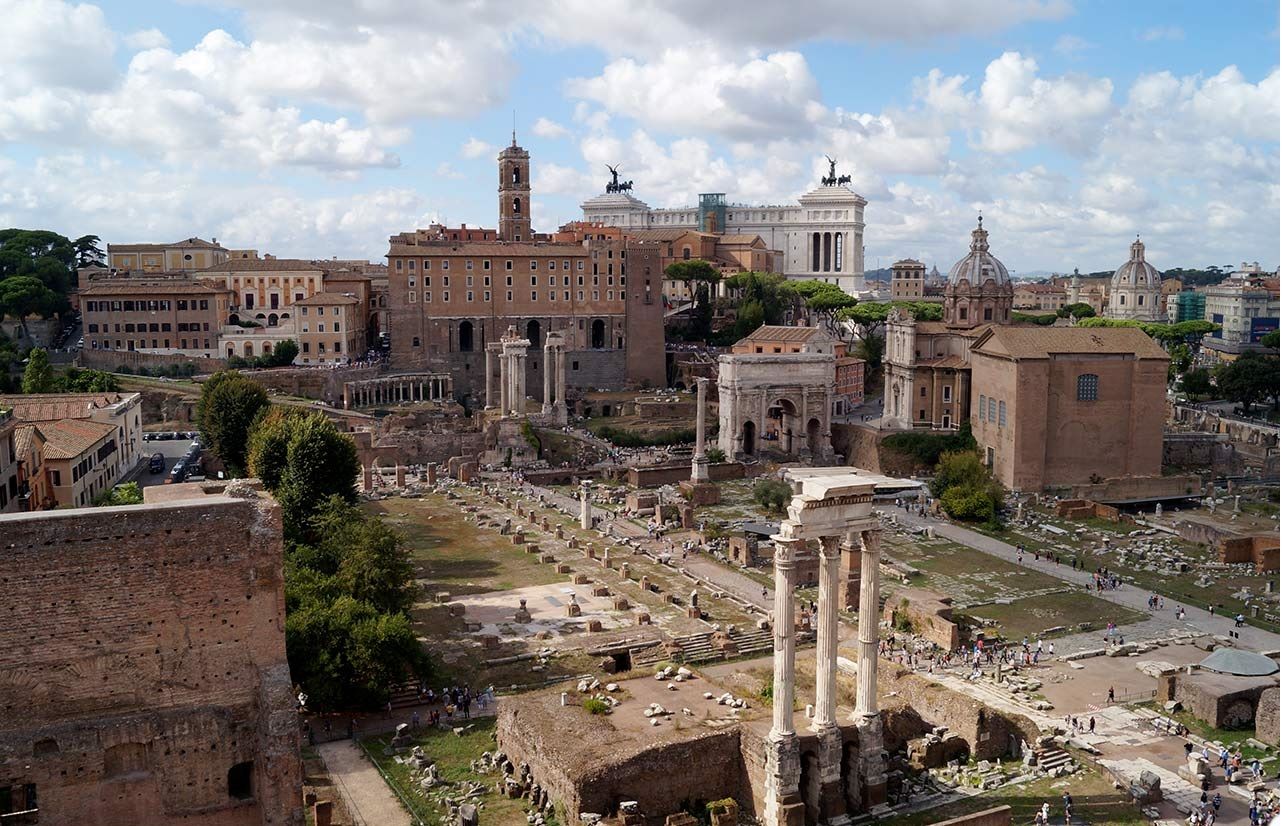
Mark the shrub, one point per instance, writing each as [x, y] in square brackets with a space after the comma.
[926, 448]
[595, 706]
[716, 455]
[772, 495]
[630, 438]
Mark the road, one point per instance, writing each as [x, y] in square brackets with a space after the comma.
[1196, 619]
[368, 798]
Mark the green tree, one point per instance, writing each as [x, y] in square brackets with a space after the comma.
[303, 460]
[690, 272]
[127, 494]
[966, 487]
[772, 495]
[1078, 310]
[1197, 382]
[41, 254]
[26, 295]
[1249, 380]
[89, 252]
[1270, 339]
[38, 376]
[284, 353]
[228, 405]
[76, 380]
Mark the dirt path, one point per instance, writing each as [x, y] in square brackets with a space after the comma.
[368, 798]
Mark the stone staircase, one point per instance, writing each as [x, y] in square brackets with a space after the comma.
[1049, 759]
[698, 648]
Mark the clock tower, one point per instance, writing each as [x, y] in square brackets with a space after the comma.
[514, 194]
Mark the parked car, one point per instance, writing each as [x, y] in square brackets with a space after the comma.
[156, 464]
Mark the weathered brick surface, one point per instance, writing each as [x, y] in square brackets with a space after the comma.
[142, 656]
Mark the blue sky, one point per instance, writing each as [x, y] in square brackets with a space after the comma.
[317, 128]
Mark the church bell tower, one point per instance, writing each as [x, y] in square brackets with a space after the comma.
[514, 193]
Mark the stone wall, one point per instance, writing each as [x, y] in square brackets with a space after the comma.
[997, 816]
[1084, 509]
[931, 615]
[132, 359]
[702, 765]
[1201, 452]
[1266, 717]
[653, 477]
[323, 383]
[1132, 487]
[990, 733]
[1260, 551]
[1222, 700]
[145, 648]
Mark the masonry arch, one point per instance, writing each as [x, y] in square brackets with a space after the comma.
[783, 412]
[750, 438]
[465, 337]
[534, 332]
[814, 433]
[598, 334]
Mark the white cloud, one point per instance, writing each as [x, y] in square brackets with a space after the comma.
[446, 170]
[1162, 33]
[474, 147]
[550, 129]
[1020, 109]
[1071, 45]
[700, 87]
[147, 39]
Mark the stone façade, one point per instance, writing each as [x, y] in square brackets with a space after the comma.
[143, 676]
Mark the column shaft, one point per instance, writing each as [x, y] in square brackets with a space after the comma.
[548, 368]
[826, 643]
[866, 702]
[785, 635]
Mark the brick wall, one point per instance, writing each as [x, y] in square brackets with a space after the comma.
[142, 656]
[115, 359]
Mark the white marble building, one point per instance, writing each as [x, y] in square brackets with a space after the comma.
[821, 236]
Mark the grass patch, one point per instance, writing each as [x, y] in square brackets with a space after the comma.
[1095, 801]
[1030, 616]
[455, 555]
[453, 755]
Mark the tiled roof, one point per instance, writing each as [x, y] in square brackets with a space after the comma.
[137, 247]
[25, 438]
[47, 407]
[490, 249]
[69, 438]
[326, 300]
[1043, 342]
[266, 265]
[130, 286]
[779, 333]
[739, 239]
[663, 234]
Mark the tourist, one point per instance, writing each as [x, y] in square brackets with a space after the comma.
[1216, 802]
[1092, 725]
[414, 719]
[1046, 812]
[1110, 694]
[1052, 649]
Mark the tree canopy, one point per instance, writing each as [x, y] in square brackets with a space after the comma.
[1249, 380]
[38, 375]
[303, 460]
[966, 487]
[228, 405]
[46, 256]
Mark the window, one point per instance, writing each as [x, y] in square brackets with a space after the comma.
[411, 265]
[961, 312]
[507, 265]
[1001, 414]
[992, 409]
[948, 393]
[923, 392]
[534, 264]
[1087, 387]
[988, 314]
[240, 781]
[983, 404]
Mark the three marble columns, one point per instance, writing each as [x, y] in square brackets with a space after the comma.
[783, 802]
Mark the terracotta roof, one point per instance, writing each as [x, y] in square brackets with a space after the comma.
[907, 262]
[939, 327]
[47, 407]
[265, 265]
[740, 239]
[136, 248]
[947, 362]
[489, 249]
[25, 439]
[326, 300]
[664, 234]
[69, 438]
[1043, 342]
[146, 287]
[779, 333]
[1041, 288]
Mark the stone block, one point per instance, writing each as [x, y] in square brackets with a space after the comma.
[323, 812]
[580, 579]
[643, 619]
[594, 625]
[573, 610]
[563, 568]
[621, 603]
[457, 609]
[600, 591]
[547, 559]
[489, 641]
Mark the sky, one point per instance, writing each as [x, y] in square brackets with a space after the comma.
[318, 128]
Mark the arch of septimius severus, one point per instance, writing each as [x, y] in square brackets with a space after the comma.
[831, 506]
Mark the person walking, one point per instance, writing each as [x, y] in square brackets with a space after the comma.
[1110, 694]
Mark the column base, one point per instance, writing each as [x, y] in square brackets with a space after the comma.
[831, 803]
[560, 413]
[784, 806]
[699, 470]
[872, 760]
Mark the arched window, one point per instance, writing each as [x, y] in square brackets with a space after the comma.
[685, 253]
[273, 320]
[534, 332]
[598, 334]
[240, 781]
[465, 336]
[1139, 299]
[516, 174]
[516, 206]
[1087, 387]
[1121, 299]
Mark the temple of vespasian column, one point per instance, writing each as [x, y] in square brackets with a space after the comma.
[832, 507]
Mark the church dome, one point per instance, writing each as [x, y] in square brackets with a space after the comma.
[1137, 273]
[979, 266]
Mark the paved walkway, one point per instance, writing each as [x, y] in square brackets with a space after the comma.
[1197, 619]
[368, 799]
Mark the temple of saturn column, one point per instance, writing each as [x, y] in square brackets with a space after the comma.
[554, 377]
[506, 390]
[835, 510]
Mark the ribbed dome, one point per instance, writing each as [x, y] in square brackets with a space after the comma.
[1137, 272]
[979, 265]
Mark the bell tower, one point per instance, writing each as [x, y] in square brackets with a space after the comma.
[514, 193]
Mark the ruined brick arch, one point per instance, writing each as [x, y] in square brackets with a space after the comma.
[124, 759]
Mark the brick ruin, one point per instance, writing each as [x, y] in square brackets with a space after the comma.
[143, 677]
